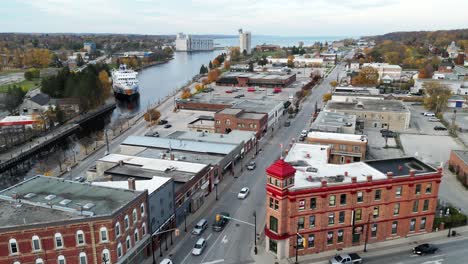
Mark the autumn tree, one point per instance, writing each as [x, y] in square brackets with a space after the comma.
[213, 75]
[199, 87]
[216, 63]
[291, 61]
[368, 76]
[186, 94]
[427, 72]
[333, 84]
[235, 54]
[327, 97]
[152, 115]
[227, 64]
[437, 96]
[104, 83]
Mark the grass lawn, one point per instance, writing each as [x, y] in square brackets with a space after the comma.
[26, 85]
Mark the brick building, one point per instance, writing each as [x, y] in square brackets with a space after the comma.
[267, 80]
[337, 206]
[231, 119]
[458, 163]
[51, 220]
[345, 148]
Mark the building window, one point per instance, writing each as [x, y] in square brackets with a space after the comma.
[374, 230]
[313, 203]
[142, 209]
[426, 205]
[80, 238]
[106, 256]
[301, 205]
[13, 246]
[58, 240]
[135, 216]
[417, 190]
[398, 191]
[412, 224]
[36, 243]
[83, 258]
[273, 246]
[332, 200]
[360, 197]
[61, 260]
[340, 234]
[273, 224]
[415, 206]
[128, 242]
[330, 237]
[378, 195]
[341, 217]
[331, 218]
[357, 148]
[271, 202]
[300, 242]
[423, 223]
[342, 147]
[342, 159]
[135, 235]
[311, 241]
[39, 261]
[300, 222]
[311, 221]
[228, 122]
[119, 250]
[394, 227]
[429, 188]
[104, 235]
[343, 199]
[375, 214]
[396, 209]
[358, 214]
[126, 222]
[117, 229]
[276, 205]
[143, 229]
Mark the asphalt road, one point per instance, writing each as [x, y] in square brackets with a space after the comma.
[235, 243]
[452, 252]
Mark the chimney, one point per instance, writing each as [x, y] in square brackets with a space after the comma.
[353, 179]
[389, 174]
[131, 184]
[369, 178]
[412, 173]
[324, 183]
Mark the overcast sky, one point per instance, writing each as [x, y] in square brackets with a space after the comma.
[265, 17]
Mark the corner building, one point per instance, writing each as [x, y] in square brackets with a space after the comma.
[334, 206]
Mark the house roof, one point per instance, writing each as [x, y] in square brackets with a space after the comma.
[41, 99]
[281, 169]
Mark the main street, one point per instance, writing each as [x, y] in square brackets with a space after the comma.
[235, 243]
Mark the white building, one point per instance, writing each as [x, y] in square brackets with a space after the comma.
[190, 43]
[384, 69]
[245, 41]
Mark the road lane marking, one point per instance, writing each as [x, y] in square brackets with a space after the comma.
[214, 261]
[208, 238]
[183, 261]
[224, 240]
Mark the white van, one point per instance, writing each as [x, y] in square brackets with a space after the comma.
[429, 114]
[200, 227]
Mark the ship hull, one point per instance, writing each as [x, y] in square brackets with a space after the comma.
[126, 91]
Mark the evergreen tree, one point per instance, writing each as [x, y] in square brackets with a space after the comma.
[210, 65]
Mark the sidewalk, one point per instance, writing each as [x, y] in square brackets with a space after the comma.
[373, 249]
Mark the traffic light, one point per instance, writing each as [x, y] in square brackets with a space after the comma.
[218, 217]
[177, 232]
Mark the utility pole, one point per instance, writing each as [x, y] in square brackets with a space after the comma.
[107, 140]
[255, 235]
[367, 233]
[453, 126]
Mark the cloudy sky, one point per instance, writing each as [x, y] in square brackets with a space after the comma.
[266, 17]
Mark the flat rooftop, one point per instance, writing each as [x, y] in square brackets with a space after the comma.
[337, 136]
[234, 137]
[48, 199]
[333, 119]
[230, 111]
[254, 116]
[179, 144]
[401, 166]
[258, 106]
[462, 154]
[203, 158]
[151, 185]
[368, 105]
[264, 76]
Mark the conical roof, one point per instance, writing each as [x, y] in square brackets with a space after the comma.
[281, 169]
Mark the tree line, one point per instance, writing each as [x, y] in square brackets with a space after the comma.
[19, 58]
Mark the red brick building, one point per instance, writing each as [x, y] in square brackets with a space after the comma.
[458, 163]
[337, 206]
[50, 220]
[231, 119]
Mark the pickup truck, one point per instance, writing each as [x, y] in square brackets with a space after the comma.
[351, 258]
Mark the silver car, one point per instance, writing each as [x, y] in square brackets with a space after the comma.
[199, 247]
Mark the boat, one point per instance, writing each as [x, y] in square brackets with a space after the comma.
[125, 82]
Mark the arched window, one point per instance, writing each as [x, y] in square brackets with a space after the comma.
[106, 256]
[61, 260]
[58, 240]
[135, 216]
[143, 229]
[13, 246]
[127, 222]
[135, 235]
[83, 259]
[103, 233]
[117, 229]
[128, 242]
[119, 250]
[142, 209]
[80, 238]
[39, 261]
[36, 243]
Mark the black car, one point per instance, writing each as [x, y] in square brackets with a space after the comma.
[162, 122]
[167, 126]
[301, 138]
[425, 249]
[287, 123]
[223, 221]
[440, 128]
[389, 134]
[383, 130]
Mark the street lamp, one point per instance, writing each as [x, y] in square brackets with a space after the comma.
[255, 235]
[104, 259]
[216, 187]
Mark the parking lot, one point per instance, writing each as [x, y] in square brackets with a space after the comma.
[420, 124]
[377, 148]
[178, 121]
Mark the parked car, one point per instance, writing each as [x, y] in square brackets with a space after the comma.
[222, 219]
[434, 119]
[251, 165]
[228, 91]
[425, 249]
[383, 130]
[417, 103]
[200, 227]
[80, 179]
[162, 122]
[304, 133]
[166, 261]
[287, 124]
[428, 114]
[167, 126]
[440, 128]
[301, 138]
[388, 133]
[351, 258]
[152, 134]
[244, 192]
[207, 90]
[199, 247]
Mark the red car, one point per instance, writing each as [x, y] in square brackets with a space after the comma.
[250, 89]
[228, 91]
[277, 90]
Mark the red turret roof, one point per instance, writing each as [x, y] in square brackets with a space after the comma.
[281, 169]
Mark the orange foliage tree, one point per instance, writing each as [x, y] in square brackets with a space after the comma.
[186, 93]
[213, 75]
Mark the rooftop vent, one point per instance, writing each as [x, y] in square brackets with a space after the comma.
[88, 206]
[182, 157]
[311, 169]
[348, 124]
[65, 202]
[29, 195]
[50, 197]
